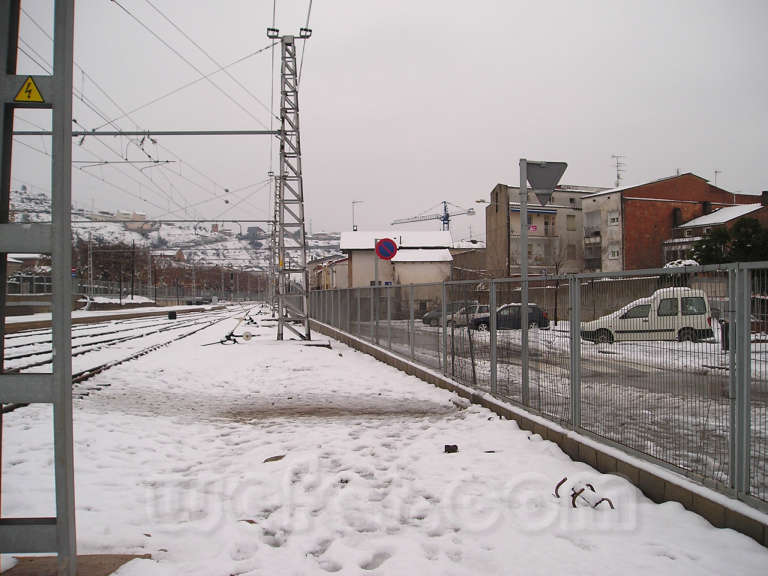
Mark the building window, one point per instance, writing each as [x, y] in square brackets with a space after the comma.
[570, 252]
[688, 232]
[613, 218]
[530, 250]
[571, 222]
[613, 253]
[572, 201]
[707, 230]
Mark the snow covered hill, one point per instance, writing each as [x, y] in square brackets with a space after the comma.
[205, 244]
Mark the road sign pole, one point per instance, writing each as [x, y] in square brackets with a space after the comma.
[524, 277]
[375, 301]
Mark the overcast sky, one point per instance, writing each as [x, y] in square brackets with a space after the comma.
[405, 104]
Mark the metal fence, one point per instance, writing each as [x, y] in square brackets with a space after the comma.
[667, 364]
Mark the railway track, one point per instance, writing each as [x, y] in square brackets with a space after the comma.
[84, 375]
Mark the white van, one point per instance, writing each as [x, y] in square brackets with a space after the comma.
[668, 314]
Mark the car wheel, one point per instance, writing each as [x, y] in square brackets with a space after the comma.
[604, 337]
[686, 335]
[482, 327]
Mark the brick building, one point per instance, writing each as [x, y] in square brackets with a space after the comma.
[626, 228]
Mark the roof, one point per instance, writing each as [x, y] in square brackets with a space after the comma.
[366, 239]
[469, 244]
[419, 255]
[622, 188]
[722, 216]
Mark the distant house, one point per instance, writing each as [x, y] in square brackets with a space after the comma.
[422, 265]
[687, 234]
[359, 247]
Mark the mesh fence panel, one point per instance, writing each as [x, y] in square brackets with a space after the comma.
[654, 375]
[549, 344]
[508, 343]
[427, 333]
[468, 348]
[758, 457]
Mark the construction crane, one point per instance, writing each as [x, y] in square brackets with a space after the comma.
[444, 217]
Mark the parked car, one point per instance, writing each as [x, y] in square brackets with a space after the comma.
[435, 317]
[508, 318]
[464, 315]
[668, 314]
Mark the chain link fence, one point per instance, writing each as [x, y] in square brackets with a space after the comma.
[668, 364]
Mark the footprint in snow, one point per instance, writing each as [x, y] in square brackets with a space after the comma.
[377, 560]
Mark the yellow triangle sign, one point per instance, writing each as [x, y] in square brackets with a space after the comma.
[29, 92]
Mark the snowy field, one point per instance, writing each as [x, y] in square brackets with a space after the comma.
[278, 458]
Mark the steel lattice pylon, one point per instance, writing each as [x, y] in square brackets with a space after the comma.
[293, 277]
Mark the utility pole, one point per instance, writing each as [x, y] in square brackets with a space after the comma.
[90, 266]
[354, 202]
[149, 270]
[291, 232]
[619, 158]
[133, 264]
[716, 173]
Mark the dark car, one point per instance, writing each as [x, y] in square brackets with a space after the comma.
[508, 318]
[434, 317]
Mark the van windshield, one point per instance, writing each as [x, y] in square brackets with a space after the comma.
[693, 305]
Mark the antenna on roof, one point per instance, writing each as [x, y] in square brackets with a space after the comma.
[716, 173]
[619, 167]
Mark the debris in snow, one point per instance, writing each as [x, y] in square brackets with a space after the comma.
[451, 448]
[460, 403]
[275, 458]
[579, 493]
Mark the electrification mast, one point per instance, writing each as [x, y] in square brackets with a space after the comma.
[292, 273]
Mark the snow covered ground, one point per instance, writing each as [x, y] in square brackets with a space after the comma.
[278, 458]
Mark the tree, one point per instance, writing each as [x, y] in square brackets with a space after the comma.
[747, 241]
[714, 248]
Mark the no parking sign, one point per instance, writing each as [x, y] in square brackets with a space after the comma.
[386, 248]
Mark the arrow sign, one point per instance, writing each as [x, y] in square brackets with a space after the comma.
[543, 177]
[386, 248]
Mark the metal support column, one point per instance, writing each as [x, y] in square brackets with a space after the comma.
[25, 535]
[740, 339]
[574, 292]
[293, 275]
[492, 328]
[524, 279]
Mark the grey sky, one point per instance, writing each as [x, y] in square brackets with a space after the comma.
[405, 104]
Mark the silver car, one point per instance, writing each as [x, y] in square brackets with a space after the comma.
[464, 316]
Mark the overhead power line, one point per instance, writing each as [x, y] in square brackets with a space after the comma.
[207, 55]
[188, 62]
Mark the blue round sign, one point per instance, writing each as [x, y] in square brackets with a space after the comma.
[386, 248]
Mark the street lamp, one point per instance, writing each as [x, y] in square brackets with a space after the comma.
[354, 226]
[543, 177]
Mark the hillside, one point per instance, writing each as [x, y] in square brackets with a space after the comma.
[204, 244]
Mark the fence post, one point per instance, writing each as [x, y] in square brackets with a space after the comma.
[443, 324]
[492, 328]
[411, 327]
[739, 334]
[338, 308]
[574, 320]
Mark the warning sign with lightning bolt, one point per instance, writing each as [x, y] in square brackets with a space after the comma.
[29, 92]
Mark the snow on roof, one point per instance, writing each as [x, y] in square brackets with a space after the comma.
[366, 239]
[723, 215]
[469, 244]
[419, 255]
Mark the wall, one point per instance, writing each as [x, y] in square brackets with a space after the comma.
[421, 272]
[361, 268]
[497, 233]
[468, 263]
[611, 234]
